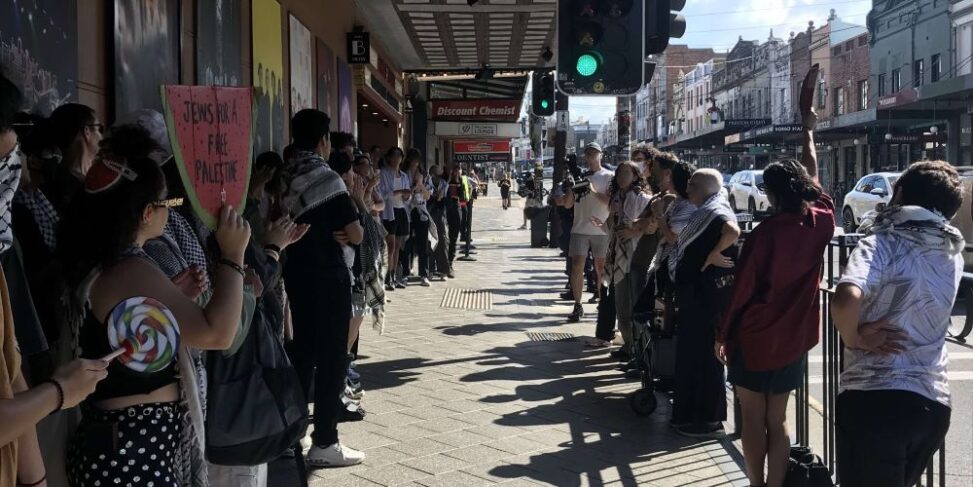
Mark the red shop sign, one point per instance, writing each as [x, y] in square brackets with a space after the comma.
[499, 110]
[481, 146]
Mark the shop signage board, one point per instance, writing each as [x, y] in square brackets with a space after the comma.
[212, 133]
[359, 48]
[741, 124]
[475, 110]
[907, 95]
[480, 146]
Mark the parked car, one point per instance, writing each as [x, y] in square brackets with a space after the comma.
[743, 188]
[872, 192]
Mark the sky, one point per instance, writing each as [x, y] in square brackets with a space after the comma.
[720, 23]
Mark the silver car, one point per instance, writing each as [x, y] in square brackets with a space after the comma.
[744, 189]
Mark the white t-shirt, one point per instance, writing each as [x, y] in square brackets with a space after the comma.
[591, 206]
[398, 184]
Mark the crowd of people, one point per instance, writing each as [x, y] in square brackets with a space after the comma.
[657, 238]
[142, 347]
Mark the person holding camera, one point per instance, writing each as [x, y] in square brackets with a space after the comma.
[590, 200]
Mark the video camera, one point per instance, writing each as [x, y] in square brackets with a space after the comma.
[578, 183]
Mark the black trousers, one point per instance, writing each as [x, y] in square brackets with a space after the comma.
[419, 244]
[885, 438]
[454, 216]
[321, 311]
[700, 383]
[440, 254]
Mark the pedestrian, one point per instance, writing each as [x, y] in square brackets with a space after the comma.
[628, 200]
[396, 188]
[437, 210]
[455, 201]
[504, 185]
[774, 313]
[585, 236]
[892, 308]
[700, 266]
[316, 267]
[420, 218]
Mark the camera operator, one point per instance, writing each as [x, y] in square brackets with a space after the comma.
[590, 200]
[527, 191]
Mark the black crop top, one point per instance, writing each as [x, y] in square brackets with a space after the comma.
[121, 380]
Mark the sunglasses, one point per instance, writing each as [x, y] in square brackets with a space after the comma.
[168, 203]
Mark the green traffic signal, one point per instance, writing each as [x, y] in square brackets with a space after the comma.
[545, 104]
[587, 65]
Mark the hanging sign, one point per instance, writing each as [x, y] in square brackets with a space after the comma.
[211, 129]
[359, 48]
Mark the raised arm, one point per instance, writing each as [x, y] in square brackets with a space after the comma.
[809, 157]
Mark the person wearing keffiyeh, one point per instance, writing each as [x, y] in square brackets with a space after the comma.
[702, 258]
[316, 267]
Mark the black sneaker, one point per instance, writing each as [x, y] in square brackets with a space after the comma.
[632, 364]
[621, 355]
[567, 296]
[577, 314]
[347, 416]
[593, 300]
[702, 430]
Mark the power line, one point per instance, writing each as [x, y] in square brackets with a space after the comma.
[826, 4]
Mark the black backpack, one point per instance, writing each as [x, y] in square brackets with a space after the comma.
[258, 408]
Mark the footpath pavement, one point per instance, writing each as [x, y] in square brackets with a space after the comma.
[479, 381]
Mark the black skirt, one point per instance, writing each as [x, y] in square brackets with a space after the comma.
[777, 381]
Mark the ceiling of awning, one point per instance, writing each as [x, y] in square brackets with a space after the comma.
[450, 34]
[494, 88]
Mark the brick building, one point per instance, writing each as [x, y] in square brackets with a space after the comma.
[660, 106]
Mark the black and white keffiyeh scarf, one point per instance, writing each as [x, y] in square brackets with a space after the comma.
[926, 228]
[716, 206]
[10, 167]
[43, 212]
[312, 183]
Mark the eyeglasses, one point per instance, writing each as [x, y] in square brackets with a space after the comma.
[100, 127]
[169, 203]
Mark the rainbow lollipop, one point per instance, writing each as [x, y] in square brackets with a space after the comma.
[147, 331]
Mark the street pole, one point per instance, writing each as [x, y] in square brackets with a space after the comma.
[623, 106]
[560, 153]
[537, 150]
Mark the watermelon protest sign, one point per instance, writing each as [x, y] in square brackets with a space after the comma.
[211, 129]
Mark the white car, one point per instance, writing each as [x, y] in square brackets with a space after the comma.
[744, 192]
[872, 192]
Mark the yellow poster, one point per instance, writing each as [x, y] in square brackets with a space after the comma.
[268, 76]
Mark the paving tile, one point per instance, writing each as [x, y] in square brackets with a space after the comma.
[463, 398]
[394, 474]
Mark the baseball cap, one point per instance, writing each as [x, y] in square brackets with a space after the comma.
[155, 124]
[593, 145]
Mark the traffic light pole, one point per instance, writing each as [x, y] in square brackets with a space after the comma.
[560, 153]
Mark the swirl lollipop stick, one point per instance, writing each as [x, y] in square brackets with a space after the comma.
[147, 333]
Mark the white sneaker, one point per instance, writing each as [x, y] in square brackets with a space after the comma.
[425, 282]
[335, 455]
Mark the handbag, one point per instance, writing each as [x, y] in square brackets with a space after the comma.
[806, 470]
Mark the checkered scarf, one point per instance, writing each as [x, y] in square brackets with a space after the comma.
[45, 216]
[10, 167]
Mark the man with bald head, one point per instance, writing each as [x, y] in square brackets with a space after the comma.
[701, 266]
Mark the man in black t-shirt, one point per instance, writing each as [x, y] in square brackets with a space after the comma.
[319, 283]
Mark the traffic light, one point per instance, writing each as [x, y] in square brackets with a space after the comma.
[600, 46]
[542, 96]
[661, 23]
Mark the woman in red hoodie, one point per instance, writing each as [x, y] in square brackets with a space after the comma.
[773, 317]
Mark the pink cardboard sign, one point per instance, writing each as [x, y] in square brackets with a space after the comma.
[211, 129]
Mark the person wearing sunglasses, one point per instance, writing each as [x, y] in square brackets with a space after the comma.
[131, 426]
[76, 131]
